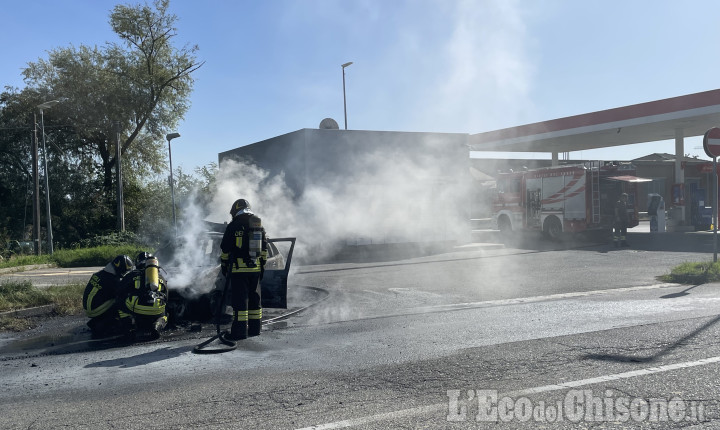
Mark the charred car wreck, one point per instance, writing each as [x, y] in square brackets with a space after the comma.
[196, 288]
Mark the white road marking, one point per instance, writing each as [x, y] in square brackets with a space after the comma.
[532, 299]
[34, 275]
[376, 292]
[533, 390]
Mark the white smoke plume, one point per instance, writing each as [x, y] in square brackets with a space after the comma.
[380, 198]
[386, 196]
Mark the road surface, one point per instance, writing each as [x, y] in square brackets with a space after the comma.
[562, 336]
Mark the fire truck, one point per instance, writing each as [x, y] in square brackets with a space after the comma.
[564, 199]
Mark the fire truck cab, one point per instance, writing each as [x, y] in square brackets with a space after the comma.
[569, 198]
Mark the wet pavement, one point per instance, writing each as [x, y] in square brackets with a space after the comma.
[69, 334]
[55, 334]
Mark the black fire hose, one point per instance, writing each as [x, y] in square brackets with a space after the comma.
[199, 349]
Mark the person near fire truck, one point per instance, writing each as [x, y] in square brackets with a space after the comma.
[100, 297]
[622, 219]
[243, 257]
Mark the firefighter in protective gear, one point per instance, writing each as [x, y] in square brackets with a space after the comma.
[622, 219]
[100, 298]
[244, 253]
[145, 296]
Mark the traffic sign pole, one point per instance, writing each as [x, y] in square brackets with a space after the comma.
[711, 144]
[715, 209]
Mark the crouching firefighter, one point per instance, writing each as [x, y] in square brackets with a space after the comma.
[145, 296]
[244, 253]
[100, 298]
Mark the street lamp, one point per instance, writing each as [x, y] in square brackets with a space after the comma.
[344, 101]
[170, 137]
[43, 106]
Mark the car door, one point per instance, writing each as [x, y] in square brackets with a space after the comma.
[273, 285]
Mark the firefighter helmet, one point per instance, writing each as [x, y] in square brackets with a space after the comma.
[122, 264]
[240, 206]
[142, 258]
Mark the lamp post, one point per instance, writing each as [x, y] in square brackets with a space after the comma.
[170, 137]
[43, 106]
[118, 174]
[344, 101]
[36, 189]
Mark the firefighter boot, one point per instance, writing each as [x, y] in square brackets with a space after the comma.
[254, 321]
[253, 328]
[238, 330]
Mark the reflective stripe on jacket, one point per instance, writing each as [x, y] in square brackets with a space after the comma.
[100, 293]
[156, 308]
[141, 301]
[98, 310]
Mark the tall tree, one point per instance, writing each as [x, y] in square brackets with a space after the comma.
[16, 186]
[137, 89]
[140, 87]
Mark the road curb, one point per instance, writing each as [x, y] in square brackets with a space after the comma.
[25, 268]
[29, 312]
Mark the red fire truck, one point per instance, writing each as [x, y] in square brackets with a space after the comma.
[569, 198]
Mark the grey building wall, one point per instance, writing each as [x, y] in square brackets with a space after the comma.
[310, 156]
[414, 175]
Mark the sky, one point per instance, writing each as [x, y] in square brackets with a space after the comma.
[462, 66]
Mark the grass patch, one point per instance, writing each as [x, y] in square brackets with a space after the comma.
[693, 273]
[67, 300]
[96, 256]
[80, 257]
[25, 260]
[21, 295]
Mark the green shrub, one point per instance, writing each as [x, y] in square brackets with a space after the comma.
[116, 239]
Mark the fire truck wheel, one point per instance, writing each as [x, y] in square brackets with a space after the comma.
[552, 228]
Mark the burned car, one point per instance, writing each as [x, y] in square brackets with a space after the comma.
[196, 283]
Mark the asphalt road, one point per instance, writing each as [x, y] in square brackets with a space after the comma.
[568, 335]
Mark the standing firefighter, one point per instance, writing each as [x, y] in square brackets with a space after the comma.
[244, 253]
[101, 294]
[622, 220]
[145, 296]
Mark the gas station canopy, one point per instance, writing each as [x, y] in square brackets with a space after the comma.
[667, 119]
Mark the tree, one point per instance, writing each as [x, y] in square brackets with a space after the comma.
[16, 186]
[139, 88]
